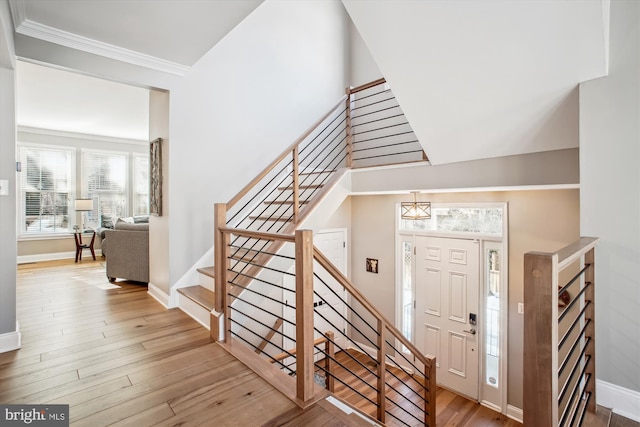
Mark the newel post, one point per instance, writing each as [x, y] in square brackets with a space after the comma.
[329, 361]
[382, 371]
[349, 130]
[430, 391]
[219, 319]
[296, 184]
[540, 386]
[304, 314]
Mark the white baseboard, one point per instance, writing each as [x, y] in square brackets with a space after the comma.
[11, 340]
[622, 401]
[158, 295]
[55, 256]
[514, 413]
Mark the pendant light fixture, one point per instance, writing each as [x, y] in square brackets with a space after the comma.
[415, 210]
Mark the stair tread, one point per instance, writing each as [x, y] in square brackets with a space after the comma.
[301, 187]
[284, 202]
[318, 172]
[266, 218]
[207, 271]
[200, 295]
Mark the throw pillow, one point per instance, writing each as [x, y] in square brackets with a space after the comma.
[107, 221]
[140, 219]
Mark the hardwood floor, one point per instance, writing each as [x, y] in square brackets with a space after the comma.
[451, 409]
[118, 357]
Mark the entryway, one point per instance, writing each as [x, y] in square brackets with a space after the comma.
[452, 295]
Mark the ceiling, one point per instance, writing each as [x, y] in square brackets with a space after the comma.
[146, 43]
[167, 35]
[476, 79]
[489, 78]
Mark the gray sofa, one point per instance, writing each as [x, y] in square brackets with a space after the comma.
[126, 248]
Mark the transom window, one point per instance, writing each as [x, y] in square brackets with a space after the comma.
[477, 220]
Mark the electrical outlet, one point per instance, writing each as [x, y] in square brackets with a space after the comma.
[4, 187]
[520, 308]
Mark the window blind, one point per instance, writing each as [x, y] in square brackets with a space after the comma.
[104, 179]
[45, 183]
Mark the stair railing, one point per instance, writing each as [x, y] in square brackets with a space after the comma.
[399, 389]
[365, 128]
[309, 162]
[559, 335]
[379, 132]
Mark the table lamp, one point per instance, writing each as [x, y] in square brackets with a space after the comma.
[83, 205]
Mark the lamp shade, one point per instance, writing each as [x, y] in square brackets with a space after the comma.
[84, 204]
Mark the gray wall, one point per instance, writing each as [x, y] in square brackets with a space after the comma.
[543, 220]
[7, 171]
[610, 197]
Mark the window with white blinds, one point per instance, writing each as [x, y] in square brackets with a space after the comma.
[46, 182]
[140, 184]
[104, 180]
[116, 181]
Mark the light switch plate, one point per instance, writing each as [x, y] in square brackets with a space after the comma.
[520, 308]
[4, 187]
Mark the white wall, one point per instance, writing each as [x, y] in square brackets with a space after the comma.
[610, 198]
[362, 67]
[7, 172]
[247, 99]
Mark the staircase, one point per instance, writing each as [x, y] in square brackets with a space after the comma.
[256, 250]
[365, 128]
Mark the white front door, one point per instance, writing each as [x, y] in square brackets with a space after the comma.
[447, 315]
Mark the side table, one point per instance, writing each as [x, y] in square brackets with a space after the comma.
[80, 246]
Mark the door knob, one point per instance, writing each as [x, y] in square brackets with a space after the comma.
[472, 331]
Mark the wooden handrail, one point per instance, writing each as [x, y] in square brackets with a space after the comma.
[574, 251]
[367, 85]
[341, 278]
[281, 356]
[258, 234]
[284, 154]
[383, 326]
[305, 255]
[362, 300]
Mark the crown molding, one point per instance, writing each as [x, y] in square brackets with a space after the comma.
[85, 44]
[18, 12]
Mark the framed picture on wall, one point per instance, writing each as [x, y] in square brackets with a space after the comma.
[155, 177]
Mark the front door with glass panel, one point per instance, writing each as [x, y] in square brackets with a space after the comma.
[446, 324]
